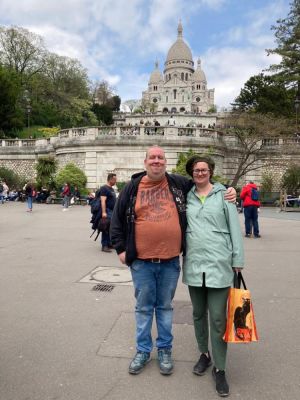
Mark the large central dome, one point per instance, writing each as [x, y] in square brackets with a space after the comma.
[179, 50]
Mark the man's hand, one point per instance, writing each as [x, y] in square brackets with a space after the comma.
[230, 195]
[122, 257]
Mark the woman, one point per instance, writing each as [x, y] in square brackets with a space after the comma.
[66, 196]
[29, 194]
[214, 250]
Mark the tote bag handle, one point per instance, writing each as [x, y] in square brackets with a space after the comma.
[237, 280]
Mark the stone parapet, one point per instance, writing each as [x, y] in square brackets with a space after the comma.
[121, 149]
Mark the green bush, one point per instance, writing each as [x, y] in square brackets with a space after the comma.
[267, 182]
[73, 175]
[11, 178]
[46, 168]
[291, 180]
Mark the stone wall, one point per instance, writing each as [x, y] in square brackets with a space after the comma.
[100, 151]
[21, 166]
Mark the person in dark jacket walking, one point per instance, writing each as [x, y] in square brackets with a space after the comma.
[147, 230]
[28, 188]
[251, 204]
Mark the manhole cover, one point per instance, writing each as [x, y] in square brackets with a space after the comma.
[109, 275]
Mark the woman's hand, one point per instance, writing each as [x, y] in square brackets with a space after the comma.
[236, 269]
[230, 195]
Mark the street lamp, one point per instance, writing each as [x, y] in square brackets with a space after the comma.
[28, 109]
[27, 106]
[297, 104]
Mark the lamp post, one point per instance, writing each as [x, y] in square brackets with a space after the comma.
[297, 104]
[27, 106]
[28, 109]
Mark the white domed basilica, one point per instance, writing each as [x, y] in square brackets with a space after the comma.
[181, 88]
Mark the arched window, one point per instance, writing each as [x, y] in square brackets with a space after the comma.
[182, 76]
[182, 109]
[174, 91]
[173, 110]
[165, 110]
[186, 76]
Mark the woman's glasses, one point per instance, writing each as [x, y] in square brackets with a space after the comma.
[200, 171]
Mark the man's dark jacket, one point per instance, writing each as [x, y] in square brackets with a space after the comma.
[122, 228]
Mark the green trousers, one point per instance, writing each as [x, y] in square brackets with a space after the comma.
[210, 302]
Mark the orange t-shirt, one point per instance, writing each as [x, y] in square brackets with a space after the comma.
[157, 228]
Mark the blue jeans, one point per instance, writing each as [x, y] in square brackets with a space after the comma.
[105, 239]
[251, 219]
[66, 201]
[29, 202]
[155, 286]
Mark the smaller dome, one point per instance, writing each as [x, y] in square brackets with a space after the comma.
[156, 75]
[199, 75]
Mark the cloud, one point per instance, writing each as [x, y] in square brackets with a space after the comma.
[227, 70]
[119, 40]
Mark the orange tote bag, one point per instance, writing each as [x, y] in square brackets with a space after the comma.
[241, 326]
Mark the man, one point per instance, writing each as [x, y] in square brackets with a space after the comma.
[108, 201]
[251, 203]
[147, 230]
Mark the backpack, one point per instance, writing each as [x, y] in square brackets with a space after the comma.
[254, 194]
[96, 215]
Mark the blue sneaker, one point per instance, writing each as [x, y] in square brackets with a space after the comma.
[138, 362]
[165, 361]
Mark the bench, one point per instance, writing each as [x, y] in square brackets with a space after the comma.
[59, 200]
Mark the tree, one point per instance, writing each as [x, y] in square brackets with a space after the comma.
[60, 95]
[45, 168]
[287, 33]
[291, 180]
[267, 182]
[114, 103]
[249, 129]
[132, 104]
[11, 178]
[212, 109]
[264, 94]
[73, 175]
[11, 114]
[103, 113]
[182, 160]
[102, 92]
[21, 51]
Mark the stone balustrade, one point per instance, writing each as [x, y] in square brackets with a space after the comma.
[201, 135]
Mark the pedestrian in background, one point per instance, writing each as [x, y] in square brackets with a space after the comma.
[251, 204]
[108, 201]
[29, 191]
[66, 193]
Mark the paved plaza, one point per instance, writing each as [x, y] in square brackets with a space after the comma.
[60, 338]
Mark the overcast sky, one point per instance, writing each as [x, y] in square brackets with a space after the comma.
[119, 40]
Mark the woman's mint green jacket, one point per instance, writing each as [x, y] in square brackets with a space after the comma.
[214, 240]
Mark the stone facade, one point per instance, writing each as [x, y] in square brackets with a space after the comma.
[181, 88]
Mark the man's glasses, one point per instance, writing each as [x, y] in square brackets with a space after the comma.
[200, 171]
